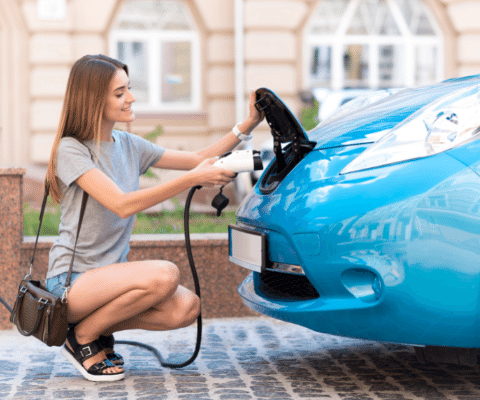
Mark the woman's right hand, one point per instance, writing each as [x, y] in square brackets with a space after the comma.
[205, 174]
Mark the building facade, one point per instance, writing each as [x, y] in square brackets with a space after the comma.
[193, 62]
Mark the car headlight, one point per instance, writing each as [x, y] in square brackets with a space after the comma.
[446, 123]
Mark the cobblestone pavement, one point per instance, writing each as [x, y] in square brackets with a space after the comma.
[246, 358]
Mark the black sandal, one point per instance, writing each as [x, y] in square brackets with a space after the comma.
[107, 342]
[82, 352]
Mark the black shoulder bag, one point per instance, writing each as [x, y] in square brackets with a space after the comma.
[36, 311]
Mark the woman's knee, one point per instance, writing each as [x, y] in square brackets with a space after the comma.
[194, 307]
[164, 276]
[186, 312]
[191, 308]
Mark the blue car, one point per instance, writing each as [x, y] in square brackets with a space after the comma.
[368, 226]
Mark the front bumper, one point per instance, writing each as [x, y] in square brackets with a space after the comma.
[387, 321]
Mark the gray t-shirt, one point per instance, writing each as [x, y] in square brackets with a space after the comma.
[104, 236]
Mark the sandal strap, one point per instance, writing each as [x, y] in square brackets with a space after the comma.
[115, 357]
[88, 350]
[99, 367]
[71, 338]
[83, 352]
[107, 341]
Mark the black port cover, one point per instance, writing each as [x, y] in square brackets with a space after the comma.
[284, 125]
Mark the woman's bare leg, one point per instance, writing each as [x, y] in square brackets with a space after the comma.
[106, 297]
[177, 312]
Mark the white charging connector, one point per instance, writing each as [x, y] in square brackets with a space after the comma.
[241, 161]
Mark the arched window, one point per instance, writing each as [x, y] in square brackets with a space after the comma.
[372, 43]
[159, 42]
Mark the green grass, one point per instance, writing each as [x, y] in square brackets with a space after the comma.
[163, 222]
[51, 220]
[309, 116]
[172, 222]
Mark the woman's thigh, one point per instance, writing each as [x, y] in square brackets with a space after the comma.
[99, 286]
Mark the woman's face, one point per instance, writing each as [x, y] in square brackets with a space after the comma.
[119, 100]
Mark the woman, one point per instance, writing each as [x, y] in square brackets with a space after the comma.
[109, 294]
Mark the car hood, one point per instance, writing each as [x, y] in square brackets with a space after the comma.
[358, 127]
[368, 124]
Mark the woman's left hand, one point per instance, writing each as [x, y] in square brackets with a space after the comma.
[255, 116]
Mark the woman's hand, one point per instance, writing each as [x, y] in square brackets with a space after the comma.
[254, 117]
[208, 175]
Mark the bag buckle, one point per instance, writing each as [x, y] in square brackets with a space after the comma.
[42, 302]
[64, 295]
[28, 277]
[22, 291]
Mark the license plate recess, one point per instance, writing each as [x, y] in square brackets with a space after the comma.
[247, 248]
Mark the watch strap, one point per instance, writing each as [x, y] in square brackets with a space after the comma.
[239, 134]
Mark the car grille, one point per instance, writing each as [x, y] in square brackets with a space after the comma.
[281, 285]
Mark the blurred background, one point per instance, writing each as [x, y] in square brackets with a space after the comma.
[193, 62]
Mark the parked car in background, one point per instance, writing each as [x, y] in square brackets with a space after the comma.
[368, 226]
[333, 101]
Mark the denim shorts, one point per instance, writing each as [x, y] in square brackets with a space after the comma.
[56, 285]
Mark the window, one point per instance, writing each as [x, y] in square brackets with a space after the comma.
[372, 44]
[159, 42]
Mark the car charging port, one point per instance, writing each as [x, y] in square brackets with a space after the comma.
[285, 128]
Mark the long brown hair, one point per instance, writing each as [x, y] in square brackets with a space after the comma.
[83, 106]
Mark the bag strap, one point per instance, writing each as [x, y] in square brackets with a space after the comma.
[42, 211]
[80, 219]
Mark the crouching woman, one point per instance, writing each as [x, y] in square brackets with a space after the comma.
[108, 294]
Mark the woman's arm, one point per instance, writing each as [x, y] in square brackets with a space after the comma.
[185, 160]
[198, 164]
[106, 192]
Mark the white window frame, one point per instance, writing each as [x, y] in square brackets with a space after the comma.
[340, 39]
[152, 40]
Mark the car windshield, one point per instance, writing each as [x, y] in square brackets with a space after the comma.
[363, 125]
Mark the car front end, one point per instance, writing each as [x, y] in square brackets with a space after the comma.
[364, 230]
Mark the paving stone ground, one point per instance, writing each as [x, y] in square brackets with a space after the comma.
[247, 358]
